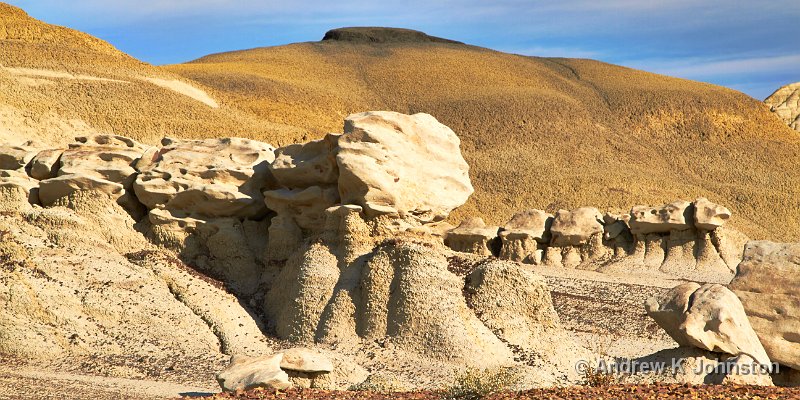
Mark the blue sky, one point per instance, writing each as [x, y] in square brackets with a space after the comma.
[752, 46]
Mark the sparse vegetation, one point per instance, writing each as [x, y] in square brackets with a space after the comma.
[476, 384]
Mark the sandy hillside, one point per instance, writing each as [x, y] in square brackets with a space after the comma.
[537, 132]
[56, 83]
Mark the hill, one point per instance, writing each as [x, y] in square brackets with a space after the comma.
[56, 83]
[537, 132]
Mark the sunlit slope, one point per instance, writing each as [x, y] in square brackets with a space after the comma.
[56, 83]
[538, 132]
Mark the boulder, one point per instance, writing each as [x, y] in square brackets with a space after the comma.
[411, 165]
[513, 302]
[708, 317]
[473, 236]
[53, 189]
[709, 216]
[677, 215]
[523, 235]
[211, 177]
[16, 157]
[19, 182]
[768, 284]
[307, 164]
[45, 164]
[615, 225]
[245, 373]
[102, 163]
[576, 227]
[305, 360]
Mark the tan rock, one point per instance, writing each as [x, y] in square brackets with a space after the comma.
[473, 236]
[102, 157]
[305, 206]
[709, 216]
[305, 360]
[411, 165]
[785, 103]
[576, 227]
[523, 235]
[708, 317]
[45, 164]
[16, 157]
[245, 373]
[768, 283]
[19, 181]
[677, 215]
[308, 164]
[53, 189]
[211, 177]
[285, 237]
[102, 163]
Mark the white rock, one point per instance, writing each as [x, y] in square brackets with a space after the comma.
[411, 165]
[307, 164]
[472, 236]
[708, 317]
[245, 373]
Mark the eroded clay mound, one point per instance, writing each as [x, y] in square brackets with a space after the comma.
[76, 279]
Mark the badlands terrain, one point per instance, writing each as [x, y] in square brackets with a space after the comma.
[244, 221]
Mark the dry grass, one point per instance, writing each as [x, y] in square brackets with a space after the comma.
[537, 132]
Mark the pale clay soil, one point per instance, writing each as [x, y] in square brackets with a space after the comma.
[605, 314]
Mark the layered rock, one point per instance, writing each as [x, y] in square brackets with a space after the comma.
[768, 283]
[410, 165]
[785, 103]
[211, 177]
[99, 163]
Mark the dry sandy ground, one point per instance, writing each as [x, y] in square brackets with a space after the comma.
[604, 312]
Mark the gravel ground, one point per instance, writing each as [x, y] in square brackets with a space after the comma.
[638, 392]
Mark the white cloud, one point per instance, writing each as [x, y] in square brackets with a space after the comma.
[702, 67]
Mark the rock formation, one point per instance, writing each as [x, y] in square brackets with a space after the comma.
[212, 177]
[785, 103]
[768, 283]
[711, 317]
[411, 165]
[473, 236]
[680, 239]
[356, 217]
